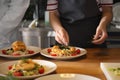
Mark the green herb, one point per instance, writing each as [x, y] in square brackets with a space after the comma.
[63, 47]
[116, 71]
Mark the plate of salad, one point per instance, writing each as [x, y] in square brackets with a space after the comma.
[8, 52]
[63, 52]
[111, 70]
[27, 68]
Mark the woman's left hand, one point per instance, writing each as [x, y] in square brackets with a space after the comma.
[100, 36]
[101, 32]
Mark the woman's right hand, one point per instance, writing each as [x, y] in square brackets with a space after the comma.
[62, 36]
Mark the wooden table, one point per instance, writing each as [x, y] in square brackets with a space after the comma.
[88, 64]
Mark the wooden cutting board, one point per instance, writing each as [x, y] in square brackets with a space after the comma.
[105, 67]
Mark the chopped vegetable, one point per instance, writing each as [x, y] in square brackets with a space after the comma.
[116, 71]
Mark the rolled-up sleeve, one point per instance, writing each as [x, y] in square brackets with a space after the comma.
[52, 5]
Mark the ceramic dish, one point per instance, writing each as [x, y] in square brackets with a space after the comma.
[49, 68]
[106, 68]
[46, 54]
[33, 48]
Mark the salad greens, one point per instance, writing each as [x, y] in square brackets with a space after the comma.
[63, 46]
[116, 71]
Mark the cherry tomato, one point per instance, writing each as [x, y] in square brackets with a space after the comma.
[10, 67]
[48, 50]
[41, 70]
[30, 52]
[73, 54]
[78, 51]
[4, 51]
[17, 74]
[53, 54]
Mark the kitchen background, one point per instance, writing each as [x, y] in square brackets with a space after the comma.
[36, 11]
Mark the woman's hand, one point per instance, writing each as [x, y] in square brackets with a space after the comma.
[101, 32]
[62, 36]
[100, 36]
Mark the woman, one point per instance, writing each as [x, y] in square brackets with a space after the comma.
[80, 23]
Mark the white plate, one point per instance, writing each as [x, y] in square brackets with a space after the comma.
[35, 49]
[109, 74]
[68, 76]
[49, 68]
[45, 53]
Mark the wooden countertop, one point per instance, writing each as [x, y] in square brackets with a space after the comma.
[88, 64]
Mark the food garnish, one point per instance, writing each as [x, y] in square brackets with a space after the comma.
[116, 71]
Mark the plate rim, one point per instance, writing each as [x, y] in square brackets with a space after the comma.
[63, 58]
[35, 76]
[69, 73]
[23, 56]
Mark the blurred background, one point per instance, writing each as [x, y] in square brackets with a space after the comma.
[113, 29]
[42, 15]
[41, 33]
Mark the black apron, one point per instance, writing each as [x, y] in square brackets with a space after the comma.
[80, 18]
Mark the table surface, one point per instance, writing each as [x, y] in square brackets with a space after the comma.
[88, 64]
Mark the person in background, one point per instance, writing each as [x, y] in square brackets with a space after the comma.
[80, 23]
[11, 14]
